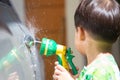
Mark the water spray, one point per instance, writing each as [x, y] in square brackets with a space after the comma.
[49, 47]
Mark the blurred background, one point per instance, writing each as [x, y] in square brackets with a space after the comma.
[54, 19]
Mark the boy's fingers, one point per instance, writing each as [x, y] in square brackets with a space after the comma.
[55, 77]
[56, 63]
[77, 68]
[76, 76]
[57, 72]
[61, 68]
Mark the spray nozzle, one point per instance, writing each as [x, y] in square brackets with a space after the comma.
[30, 41]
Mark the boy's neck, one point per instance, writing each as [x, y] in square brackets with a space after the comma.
[95, 48]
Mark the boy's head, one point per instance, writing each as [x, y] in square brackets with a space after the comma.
[101, 18]
[97, 24]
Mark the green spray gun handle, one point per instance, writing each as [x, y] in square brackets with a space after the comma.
[69, 58]
[61, 56]
[63, 62]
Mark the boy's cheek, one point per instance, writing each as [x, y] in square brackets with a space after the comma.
[78, 44]
[76, 41]
[79, 47]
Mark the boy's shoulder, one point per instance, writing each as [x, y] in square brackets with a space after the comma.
[102, 68]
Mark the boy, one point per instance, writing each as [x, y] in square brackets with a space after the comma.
[97, 28]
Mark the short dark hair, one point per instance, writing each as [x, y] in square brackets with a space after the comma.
[99, 17]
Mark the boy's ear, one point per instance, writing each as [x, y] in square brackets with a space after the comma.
[81, 33]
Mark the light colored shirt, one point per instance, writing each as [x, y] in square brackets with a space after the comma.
[103, 67]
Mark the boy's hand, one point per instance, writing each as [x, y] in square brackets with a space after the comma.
[61, 73]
